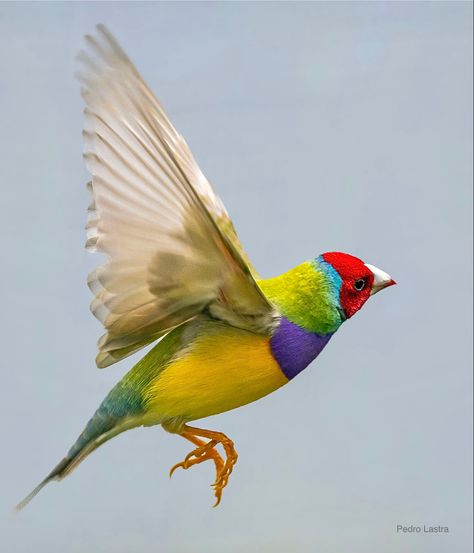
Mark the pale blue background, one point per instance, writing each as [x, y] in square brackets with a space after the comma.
[322, 126]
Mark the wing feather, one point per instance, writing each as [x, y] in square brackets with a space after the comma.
[171, 248]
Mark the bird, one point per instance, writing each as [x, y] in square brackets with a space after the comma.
[176, 274]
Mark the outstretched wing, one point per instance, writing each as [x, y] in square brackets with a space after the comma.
[171, 249]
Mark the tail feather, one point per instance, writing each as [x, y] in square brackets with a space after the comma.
[79, 451]
[120, 411]
[55, 474]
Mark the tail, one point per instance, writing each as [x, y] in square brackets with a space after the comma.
[59, 471]
[102, 427]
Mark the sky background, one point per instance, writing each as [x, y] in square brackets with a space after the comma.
[323, 127]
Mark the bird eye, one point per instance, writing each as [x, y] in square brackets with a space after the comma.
[359, 284]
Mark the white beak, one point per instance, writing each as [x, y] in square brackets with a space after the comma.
[381, 279]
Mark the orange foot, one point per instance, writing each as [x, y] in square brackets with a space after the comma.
[206, 451]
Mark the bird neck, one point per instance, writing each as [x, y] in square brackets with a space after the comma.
[308, 296]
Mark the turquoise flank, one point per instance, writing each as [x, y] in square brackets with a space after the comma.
[308, 296]
[126, 397]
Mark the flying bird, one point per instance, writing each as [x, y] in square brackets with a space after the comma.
[176, 273]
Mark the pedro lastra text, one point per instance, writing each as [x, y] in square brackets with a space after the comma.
[425, 529]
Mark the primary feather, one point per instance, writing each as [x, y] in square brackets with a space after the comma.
[171, 247]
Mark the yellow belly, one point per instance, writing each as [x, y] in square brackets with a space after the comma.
[223, 369]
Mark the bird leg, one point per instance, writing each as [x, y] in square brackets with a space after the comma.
[206, 451]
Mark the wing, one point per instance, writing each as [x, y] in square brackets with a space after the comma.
[171, 249]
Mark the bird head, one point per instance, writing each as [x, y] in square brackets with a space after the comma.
[356, 280]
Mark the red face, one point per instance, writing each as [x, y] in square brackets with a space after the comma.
[357, 280]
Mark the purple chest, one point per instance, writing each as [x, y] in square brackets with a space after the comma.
[295, 348]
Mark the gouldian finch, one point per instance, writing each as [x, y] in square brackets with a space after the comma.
[176, 273]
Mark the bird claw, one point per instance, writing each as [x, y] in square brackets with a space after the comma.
[197, 456]
[206, 451]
